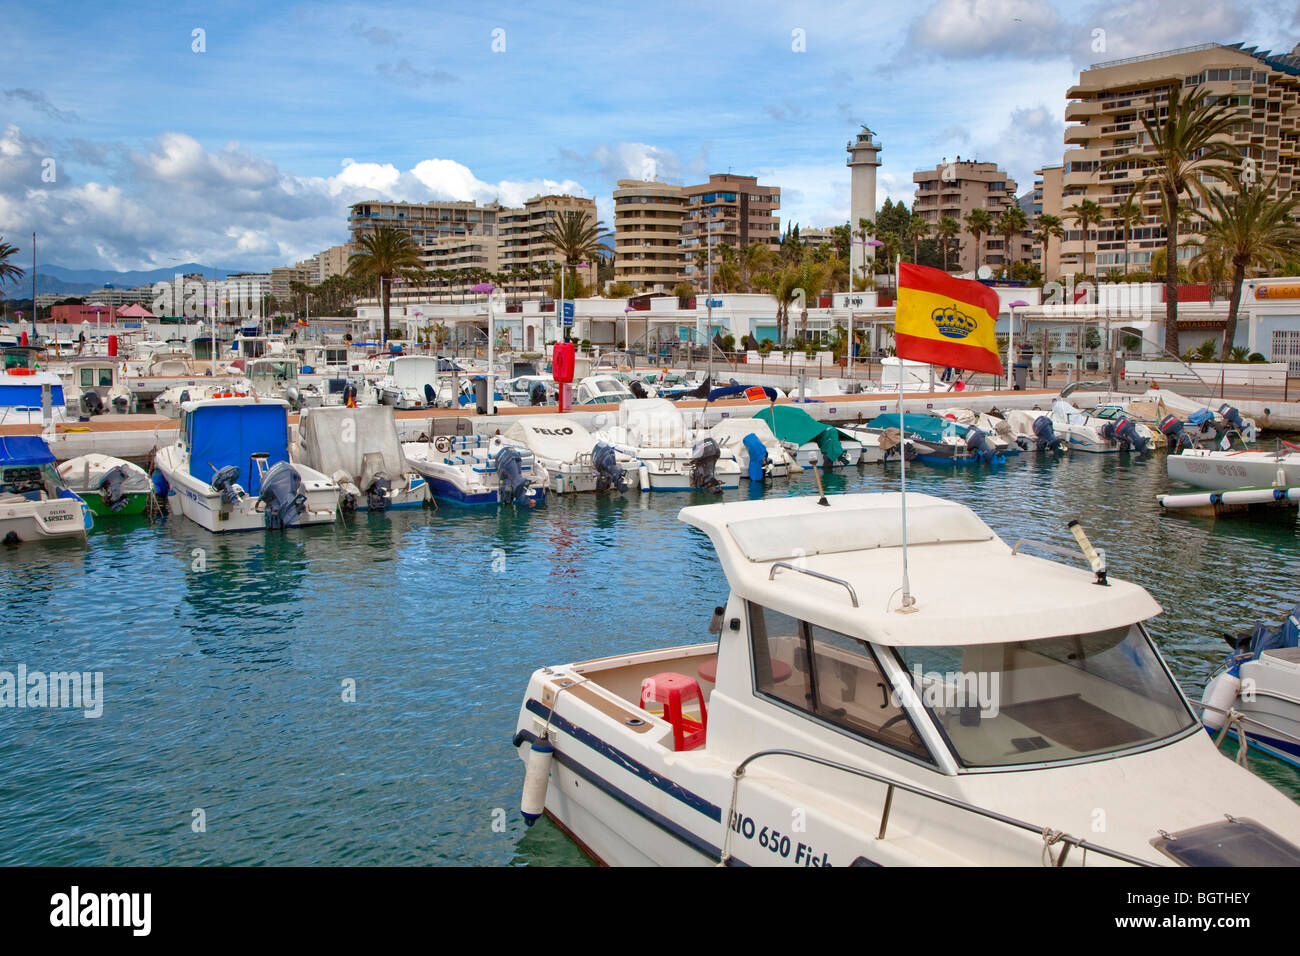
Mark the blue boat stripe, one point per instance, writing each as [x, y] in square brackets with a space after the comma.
[633, 804]
[692, 800]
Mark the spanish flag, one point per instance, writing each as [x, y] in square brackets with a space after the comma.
[946, 321]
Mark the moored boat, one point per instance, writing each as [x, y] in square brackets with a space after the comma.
[108, 485]
[35, 503]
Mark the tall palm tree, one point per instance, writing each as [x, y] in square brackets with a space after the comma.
[577, 238]
[978, 223]
[947, 230]
[384, 255]
[916, 230]
[1129, 215]
[757, 257]
[1049, 227]
[1011, 223]
[1084, 214]
[1188, 145]
[1256, 230]
[8, 271]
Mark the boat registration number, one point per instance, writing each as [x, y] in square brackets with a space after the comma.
[1203, 468]
[778, 843]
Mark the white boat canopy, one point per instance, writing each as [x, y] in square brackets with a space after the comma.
[848, 565]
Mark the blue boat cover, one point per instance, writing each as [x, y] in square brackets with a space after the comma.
[1200, 417]
[28, 450]
[221, 435]
[928, 427]
[28, 396]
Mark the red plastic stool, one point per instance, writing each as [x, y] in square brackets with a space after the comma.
[672, 690]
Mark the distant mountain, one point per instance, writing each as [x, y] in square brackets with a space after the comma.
[97, 278]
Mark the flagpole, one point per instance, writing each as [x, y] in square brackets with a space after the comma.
[909, 602]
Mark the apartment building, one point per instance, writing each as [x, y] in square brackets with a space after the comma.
[1048, 185]
[955, 189]
[648, 221]
[524, 248]
[1105, 114]
[729, 209]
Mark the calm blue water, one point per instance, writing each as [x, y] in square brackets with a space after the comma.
[224, 678]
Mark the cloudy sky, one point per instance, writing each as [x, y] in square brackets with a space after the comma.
[137, 135]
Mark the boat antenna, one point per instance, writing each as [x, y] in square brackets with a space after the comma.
[909, 603]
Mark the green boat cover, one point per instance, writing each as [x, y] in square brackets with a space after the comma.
[794, 425]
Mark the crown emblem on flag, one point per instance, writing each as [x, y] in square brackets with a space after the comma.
[951, 323]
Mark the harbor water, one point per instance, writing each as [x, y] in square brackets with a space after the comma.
[347, 694]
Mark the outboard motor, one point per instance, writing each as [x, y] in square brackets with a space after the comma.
[92, 403]
[1124, 432]
[537, 394]
[979, 443]
[1045, 435]
[430, 396]
[704, 458]
[282, 495]
[1233, 417]
[349, 493]
[110, 488]
[759, 463]
[121, 404]
[638, 389]
[510, 471]
[225, 480]
[608, 473]
[375, 481]
[294, 397]
[1173, 430]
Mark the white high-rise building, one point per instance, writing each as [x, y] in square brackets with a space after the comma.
[864, 160]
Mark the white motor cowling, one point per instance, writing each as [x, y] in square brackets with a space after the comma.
[536, 777]
[1220, 693]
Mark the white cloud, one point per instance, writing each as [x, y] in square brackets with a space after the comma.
[967, 29]
[1137, 27]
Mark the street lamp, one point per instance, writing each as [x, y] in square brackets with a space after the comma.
[212, 344]
[1011, 338]
[488, 289]
[627, 334]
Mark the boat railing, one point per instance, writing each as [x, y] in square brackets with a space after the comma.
[853, 595]
[1049, 835]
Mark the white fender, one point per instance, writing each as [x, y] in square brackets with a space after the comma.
[1221, 693]
[536, 777]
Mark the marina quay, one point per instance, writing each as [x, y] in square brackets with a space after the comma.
[434, 438]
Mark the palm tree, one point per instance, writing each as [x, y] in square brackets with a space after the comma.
[916, 230]
[1211, 265]
[947, 230]
[1048, 227]
[8, 271]
[1128, 216]
[385, 254]
[1186, 146]
[978, 223]
[758, 257]
[577, 238]
[1256, 230]
[1011, 223]
[1084, 214]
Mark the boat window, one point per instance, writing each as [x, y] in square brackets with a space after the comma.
[105, 376]
[1048, 700]
[87, 377]
[830, 676]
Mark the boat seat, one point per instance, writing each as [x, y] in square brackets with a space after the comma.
[673, 691]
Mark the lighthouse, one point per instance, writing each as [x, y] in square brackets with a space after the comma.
[864, 160]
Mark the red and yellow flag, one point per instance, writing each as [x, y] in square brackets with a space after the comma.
[946, 321]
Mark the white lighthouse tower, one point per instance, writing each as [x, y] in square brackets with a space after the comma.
[864, 160]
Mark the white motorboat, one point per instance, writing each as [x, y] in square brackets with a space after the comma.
[654, 432]
[170, 400]
[571, 457]
[1032, 430]
[359, 449]
[110, 486]
[35, 502]
[809, 441]
[1254, 698]
[277, 378]
[478, 470]
[1085, 432]
[29, 395]
[828, 724]
[602, 390]
[750, 439]
[1225, 470]
[98, 386]
[229, 469]
[414, 381]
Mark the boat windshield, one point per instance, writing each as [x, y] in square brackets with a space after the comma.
[1048, 700]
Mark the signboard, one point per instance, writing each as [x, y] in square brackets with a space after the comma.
[713, 303]
[568, 313]
[1277, 291]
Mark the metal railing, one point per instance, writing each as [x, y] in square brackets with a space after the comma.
[1049, 835]
[853, 595]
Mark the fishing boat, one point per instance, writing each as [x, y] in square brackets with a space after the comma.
[828, 722]
[110, 486]
[942, 441]
[1254, 697]
[478, 470]
[570, 456]
[654, 432]
[359, 449]
[35, 503]
[809, 441]
[100, 385]
[229, 469]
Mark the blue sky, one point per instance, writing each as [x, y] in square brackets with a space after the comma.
[247, 154]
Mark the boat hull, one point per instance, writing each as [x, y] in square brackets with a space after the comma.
[44, 520]
[1220, 471]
